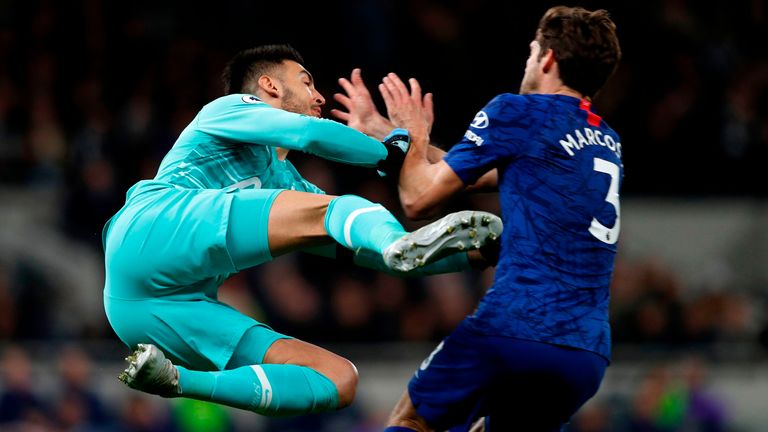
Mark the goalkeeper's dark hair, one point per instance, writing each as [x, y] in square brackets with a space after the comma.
[584, 43]
[250, 64]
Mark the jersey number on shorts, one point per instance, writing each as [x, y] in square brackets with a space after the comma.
[600, 231]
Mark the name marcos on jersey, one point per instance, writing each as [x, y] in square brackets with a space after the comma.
[589, 137]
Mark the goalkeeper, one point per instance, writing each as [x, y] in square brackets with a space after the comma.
[225, 198]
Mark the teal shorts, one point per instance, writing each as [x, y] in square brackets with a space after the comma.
[196, 334]
[166, 253]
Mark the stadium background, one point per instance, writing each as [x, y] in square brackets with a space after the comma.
[93, 93]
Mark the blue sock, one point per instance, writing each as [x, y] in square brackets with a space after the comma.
[356, 223]
[399, 429]
[270, 389]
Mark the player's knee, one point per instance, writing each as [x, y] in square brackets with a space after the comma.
[346, 383]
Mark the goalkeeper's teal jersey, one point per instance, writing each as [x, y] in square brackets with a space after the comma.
[232, 141]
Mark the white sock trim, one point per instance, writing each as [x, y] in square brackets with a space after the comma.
[351, 218]
[266, 387]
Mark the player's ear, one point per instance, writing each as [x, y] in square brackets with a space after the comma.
[548, 60]
[269, 85]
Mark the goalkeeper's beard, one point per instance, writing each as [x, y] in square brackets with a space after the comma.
[292, 104]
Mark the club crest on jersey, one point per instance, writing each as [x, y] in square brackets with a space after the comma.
[250, 99]
[480, 121]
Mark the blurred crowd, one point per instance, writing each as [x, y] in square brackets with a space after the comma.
[673, 396]
[93, 93]
[71, 399]
[670, 397]
[652, 306]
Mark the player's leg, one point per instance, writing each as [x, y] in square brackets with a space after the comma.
[338, 370]
[517, 384]
[199, 336]
[214, 232]
[299, 220]
[260, 229]
[357, 225]
[192, 235]
[292, 377]
[258, 369]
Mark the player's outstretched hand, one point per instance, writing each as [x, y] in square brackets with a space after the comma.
[361, 112]
[407, 108]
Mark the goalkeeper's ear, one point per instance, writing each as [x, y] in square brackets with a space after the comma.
[269, 85]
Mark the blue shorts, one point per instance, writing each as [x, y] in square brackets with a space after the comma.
[516, 384]
[167, 251]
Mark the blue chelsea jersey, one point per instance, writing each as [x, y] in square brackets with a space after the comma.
[560, 172]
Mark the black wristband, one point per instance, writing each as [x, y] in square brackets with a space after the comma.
[397, 144]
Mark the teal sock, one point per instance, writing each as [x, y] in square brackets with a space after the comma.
[357, 223]
[270, 389]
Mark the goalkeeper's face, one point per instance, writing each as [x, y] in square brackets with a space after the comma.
[299, 93]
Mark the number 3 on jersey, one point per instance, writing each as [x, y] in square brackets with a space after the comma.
[600, 231]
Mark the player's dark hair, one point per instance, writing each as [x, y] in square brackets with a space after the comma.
[584, 43]
[251, 63]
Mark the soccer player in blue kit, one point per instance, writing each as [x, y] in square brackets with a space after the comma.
[536, 348]
[225, 198]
